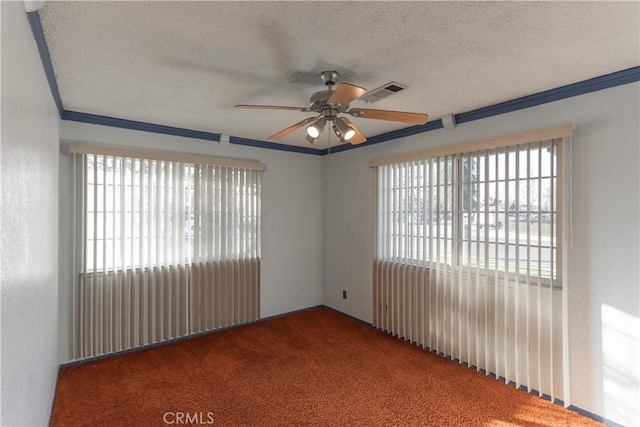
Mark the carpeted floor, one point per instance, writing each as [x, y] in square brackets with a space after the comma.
[313, 368]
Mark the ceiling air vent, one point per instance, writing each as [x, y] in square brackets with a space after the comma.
[383, 91]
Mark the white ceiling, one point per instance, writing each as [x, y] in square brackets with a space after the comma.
[186, 64]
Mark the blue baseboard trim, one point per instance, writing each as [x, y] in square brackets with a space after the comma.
[363, 322]
[144, 347]
[53, 398]
[522, 387]
[348, 315]
[134, 125]
[179, 339]
[618, 78]
[288, 313]
[275, 146]
[594, 416]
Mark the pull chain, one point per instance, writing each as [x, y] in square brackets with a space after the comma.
[329, 142]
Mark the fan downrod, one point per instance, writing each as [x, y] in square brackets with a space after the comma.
[319, 99]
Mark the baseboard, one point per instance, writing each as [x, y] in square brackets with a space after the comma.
[347, 315]
[178, 339]
[275, 316]
[594, 416]
[53, 398]
[524, 388]
[300, 310]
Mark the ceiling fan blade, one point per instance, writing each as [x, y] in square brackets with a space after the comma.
[345, 93]
[292, 128]
[358, 138]
[393, 116]
[271, 107]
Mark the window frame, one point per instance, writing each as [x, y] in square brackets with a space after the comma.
[514, 275]
[108, 183]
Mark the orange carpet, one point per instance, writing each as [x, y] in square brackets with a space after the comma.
[312, 368]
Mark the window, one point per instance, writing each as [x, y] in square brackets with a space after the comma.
[144, 213]
[468, 262]
[492, 209]
[167, 245]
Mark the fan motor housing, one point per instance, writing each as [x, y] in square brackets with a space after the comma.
[319, 103]
[320, 97]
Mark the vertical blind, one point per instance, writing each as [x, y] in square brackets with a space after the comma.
[164, 249]
[469, 259]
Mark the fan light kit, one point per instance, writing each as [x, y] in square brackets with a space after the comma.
[329, 104]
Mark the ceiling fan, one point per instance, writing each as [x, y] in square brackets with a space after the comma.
[329, 104]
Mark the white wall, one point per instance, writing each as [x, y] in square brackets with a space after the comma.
[291, 217]
[604, 313]
[307, 199]
[28, 227]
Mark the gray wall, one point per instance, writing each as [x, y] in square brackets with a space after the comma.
[291, 217]
[604, 295]
[28, 227]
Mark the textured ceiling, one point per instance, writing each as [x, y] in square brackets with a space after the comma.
[185, 64]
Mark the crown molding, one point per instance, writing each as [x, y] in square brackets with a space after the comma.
[95, 119]
[275, 146]
[618, 78]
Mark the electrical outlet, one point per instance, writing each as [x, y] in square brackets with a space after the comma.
[344, 294]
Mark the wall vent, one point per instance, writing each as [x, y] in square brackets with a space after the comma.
[383, 91]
